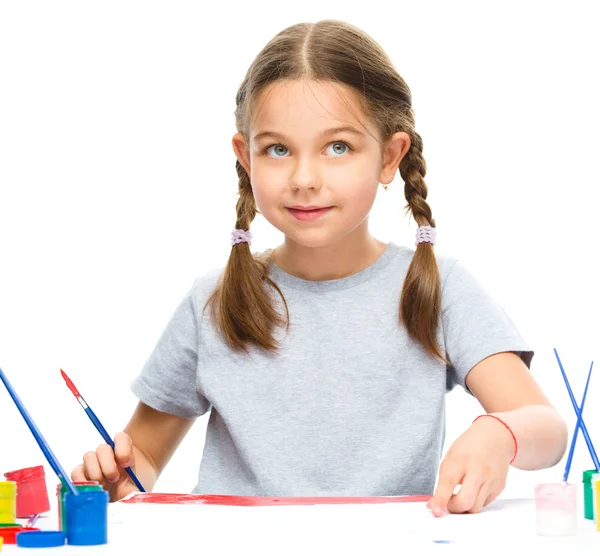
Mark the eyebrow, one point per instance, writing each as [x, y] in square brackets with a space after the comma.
[325, 133]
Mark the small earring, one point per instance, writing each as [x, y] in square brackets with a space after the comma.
[385, 187]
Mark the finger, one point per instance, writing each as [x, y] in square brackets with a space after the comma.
[491, 497]
[469, 491]
[106, 458]
[78, 474]
[447, 482]
[124, 450]
[92, 469]
[483, 495]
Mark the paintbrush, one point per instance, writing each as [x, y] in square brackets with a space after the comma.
[584, 430]
[31, 521]
[577, 426]
[98, 425]
[54, 463]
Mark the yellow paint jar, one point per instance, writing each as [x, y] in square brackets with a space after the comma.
[597, 508]
[8, 501]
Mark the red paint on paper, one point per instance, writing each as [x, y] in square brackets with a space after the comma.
[230, 500]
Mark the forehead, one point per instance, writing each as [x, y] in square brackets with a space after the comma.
[291, 106]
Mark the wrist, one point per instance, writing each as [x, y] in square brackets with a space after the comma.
[504, 438]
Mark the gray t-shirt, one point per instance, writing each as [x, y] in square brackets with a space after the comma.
[350, 406]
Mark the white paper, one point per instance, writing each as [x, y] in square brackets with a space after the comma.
[504, 527]
[347, 529]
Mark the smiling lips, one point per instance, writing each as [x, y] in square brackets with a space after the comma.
[308, 213]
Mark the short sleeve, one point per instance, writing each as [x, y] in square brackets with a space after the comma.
[475, 326]
[167, 381]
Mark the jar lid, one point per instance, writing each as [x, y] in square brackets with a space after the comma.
[587, 475]
[8, 487]
[26, 474]
[60, 486]
[40, 539]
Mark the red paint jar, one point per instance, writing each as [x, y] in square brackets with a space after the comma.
[9, 534]
[32, 493]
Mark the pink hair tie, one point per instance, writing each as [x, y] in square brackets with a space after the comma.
[427, 234]
[240, 236]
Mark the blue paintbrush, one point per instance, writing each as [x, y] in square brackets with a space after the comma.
[54, 463]
[98, 425]
[584, 430]
[577, 426]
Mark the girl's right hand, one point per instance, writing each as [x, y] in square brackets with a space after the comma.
[107, 467]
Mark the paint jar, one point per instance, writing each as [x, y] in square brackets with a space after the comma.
[597, 502]
[87, 517]
[61, 490]
[32, 493]
[9, 534]
[556, 509]
[8, 501]
[594, 481]
[588, 493]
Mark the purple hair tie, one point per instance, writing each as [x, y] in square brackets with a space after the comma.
[427, 234]
[240, 236]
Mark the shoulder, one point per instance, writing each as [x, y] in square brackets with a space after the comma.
[204, 284]
[445, 263]
[448, 266]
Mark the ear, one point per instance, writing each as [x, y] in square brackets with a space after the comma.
[393, 152]
[241, 150]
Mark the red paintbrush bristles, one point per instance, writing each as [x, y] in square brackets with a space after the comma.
[70, 384]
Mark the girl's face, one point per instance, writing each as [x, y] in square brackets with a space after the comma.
[299, 156]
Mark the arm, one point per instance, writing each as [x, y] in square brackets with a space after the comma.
[479, 459]
[155, 436]
[147, 444]
[504, 387]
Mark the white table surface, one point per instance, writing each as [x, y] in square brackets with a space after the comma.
[505, 527]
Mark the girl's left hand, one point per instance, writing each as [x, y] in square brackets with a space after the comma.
[479, 461]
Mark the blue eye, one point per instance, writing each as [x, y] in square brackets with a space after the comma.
[279, 146]
[284, 148]
[340, 143]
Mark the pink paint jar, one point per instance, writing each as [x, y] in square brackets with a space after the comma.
[556, 509]
[32, 493]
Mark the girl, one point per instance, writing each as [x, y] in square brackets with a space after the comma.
[324, 362]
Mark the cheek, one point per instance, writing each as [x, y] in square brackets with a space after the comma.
[358, 194]
[355, 181]
[268, 187]
[268, 201]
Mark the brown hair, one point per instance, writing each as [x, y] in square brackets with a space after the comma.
[330, 51]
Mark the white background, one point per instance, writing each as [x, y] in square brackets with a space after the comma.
[118, 184]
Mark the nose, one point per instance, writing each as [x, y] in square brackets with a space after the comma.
[306, 175]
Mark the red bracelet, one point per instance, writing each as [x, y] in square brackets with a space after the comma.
[507, 427]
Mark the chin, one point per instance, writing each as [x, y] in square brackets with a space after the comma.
[313, 239]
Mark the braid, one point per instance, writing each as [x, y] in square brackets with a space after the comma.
[242, 308]
[413, 169]
[246, 206]
[421, 300]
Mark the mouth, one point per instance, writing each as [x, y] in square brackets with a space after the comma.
[308, 213]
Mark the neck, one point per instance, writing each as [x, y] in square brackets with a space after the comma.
[353, 253]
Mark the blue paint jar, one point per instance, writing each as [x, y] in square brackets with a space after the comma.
[87, 517]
